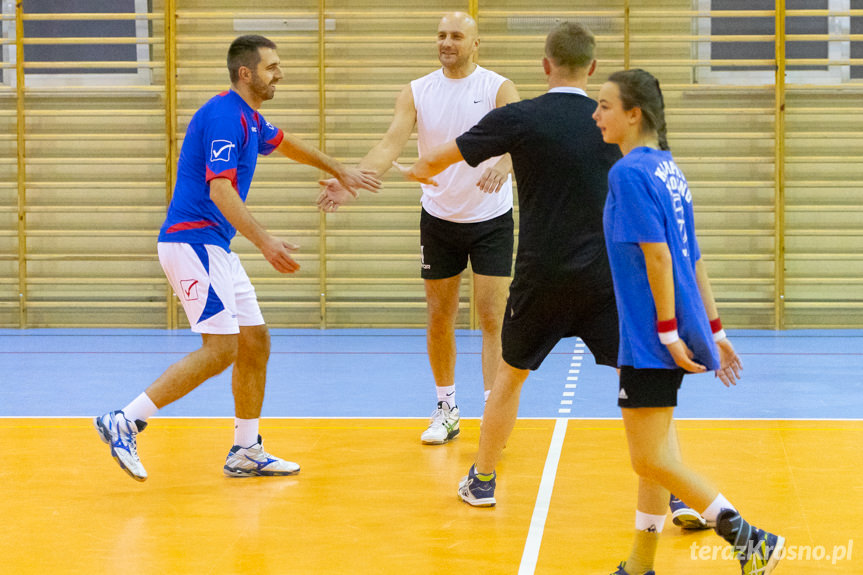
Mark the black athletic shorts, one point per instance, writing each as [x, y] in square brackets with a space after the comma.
[446, 246]
[649, 387]
[539, 315]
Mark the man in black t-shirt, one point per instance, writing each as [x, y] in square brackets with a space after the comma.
[562, 283]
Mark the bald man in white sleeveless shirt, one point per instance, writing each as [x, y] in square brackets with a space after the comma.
[467, 216]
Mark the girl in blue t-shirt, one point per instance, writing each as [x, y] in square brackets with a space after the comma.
[669, 325]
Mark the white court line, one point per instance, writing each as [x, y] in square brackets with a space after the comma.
[543, 500]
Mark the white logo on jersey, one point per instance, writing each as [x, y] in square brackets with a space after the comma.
[676, 184]
[220, 151]
[254, 129]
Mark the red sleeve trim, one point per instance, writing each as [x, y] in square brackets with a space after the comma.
[277, 139]
[182, 226]
[230, 175]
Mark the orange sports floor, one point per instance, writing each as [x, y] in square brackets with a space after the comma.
[372, 500]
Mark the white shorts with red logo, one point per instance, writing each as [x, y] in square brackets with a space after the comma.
[212, 286]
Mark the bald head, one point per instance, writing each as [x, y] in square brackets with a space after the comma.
[457, 42]
[459, 21]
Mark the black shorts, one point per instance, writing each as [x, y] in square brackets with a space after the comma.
[446, 246]
[649, 387]
[539, 315]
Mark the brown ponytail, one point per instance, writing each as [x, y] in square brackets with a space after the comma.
[639, 89]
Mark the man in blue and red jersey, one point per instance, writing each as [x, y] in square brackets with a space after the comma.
[214, 174]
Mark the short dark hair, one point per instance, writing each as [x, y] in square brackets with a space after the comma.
[244, 52]
[640, 89]
[570, 45]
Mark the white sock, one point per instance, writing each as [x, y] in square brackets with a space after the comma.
[447, 394]
[649, 523]
[142, 407]
[245, 432]
[712, 512]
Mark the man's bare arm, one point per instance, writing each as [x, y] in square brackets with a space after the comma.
[276, 251]
[380, 158]
[351, 178]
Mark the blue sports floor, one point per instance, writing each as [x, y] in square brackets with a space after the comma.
[812, 374]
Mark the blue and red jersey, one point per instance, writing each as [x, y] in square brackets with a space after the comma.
[223, 140]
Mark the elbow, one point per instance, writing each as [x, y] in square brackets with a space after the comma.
[660, 259]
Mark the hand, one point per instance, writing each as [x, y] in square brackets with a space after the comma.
[333, 195]
[682, 356]
[354, 178]
[410, 174]
[729, 363]
[278, 253]
[492, 180]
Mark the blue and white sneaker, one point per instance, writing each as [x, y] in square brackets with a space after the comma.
[255, 462]
[121, 434]
[622, 571]
[684, 516]
[475, 491]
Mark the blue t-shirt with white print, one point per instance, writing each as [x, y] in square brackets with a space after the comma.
[649, 201]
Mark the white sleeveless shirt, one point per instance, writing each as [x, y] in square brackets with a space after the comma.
[446, 108]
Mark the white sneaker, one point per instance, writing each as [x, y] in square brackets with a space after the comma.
[254, 461]
[443, 425]
[121, 434]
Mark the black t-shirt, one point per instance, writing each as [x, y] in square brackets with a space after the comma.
[561, 165]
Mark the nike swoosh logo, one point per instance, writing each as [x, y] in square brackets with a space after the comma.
[477, 101]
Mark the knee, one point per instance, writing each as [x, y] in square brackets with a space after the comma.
[255, 345]
[441, 318]
[649, 466]
[490, 322]
[222, 350]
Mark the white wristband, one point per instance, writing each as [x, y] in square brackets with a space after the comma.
[719, 335]
[668, 337]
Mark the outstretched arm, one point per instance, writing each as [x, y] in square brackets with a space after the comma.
[380, 158]
[276, 251]
[351, 178]
[431, 164]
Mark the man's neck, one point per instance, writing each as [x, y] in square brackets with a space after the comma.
[559, 81]
[247, 96]
[461, 72]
